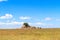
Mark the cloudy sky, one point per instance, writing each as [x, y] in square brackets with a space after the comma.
[39, 13]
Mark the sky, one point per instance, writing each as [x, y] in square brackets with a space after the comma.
[39, 13]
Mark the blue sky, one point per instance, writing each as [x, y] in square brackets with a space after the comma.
[39, 13]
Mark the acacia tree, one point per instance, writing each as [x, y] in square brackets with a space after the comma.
[26, 25]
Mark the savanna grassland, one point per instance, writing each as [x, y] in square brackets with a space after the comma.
[30, 34]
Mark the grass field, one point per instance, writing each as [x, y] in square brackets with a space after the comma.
[30, 34]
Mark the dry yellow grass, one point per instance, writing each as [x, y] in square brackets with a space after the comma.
[30, 34]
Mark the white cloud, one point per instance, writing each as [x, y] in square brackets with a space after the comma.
[39, 23]
[43, 25]
[24, 17]
[11, 23]
[15, 22]
[6, 16]
[48, 18]
[3, 0]
[1, 23]
[57, 19]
